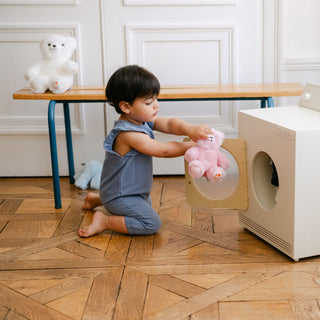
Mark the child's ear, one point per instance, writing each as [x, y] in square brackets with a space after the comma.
[124, 106]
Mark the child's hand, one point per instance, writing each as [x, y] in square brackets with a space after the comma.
[198, 132]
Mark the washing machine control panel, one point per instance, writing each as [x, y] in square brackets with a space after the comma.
[311, 96]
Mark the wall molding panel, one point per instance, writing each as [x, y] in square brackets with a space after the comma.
[15, 37]
[138, 36]
[293, 65]
[39, 2]
[32, 125]
[179, 2]
[300, 64]
[303, 69]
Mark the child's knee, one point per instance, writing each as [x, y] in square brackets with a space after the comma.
[143, 227]
[153, 226]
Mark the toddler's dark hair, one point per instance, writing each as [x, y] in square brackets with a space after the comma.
[131, 82]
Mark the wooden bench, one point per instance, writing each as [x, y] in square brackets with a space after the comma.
[78, 94]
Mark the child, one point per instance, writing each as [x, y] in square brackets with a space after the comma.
[127, 173]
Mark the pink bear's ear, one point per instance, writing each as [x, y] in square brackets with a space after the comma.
[219, 136]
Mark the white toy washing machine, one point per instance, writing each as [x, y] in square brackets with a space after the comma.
[281, 140]
[287, 216]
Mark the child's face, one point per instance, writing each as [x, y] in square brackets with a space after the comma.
[144, 109]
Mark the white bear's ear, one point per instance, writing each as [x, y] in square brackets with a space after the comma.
[42, 43]
[72, 42]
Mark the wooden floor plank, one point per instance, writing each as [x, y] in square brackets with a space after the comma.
[3, 225]
[208, 297]
[164, 237]
[67, 287]
[200, 265]
[54, 253]
[225, 220]
[9, 206]
[73, 304]
[42, 206]
[51, 274]
[158, 299]
[202, 218]
[305, 309]
[207, 280]
[256, 310]
[40, 229]
[282, 294]
[81, 249]
[3, 312]
[140, 247]
[200, 234]
[211, 312]
[132, 294]
[177, 286]
[71, 219]
[28, 287]
[30, 217]
[14, 316]
[175, 247]
[28, 308]
[103, 296]
[156, 194]
[39, 246]
[54, 264]
[177, 211]
[23, 186]
[118, 248]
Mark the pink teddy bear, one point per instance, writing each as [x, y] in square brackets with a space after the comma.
[206, 159]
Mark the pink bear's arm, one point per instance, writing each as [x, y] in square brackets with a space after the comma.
[223, 161]
[192, 154]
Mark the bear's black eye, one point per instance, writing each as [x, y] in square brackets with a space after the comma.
[49, 44]
[62, 44]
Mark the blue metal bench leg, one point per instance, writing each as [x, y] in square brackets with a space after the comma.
[270, 102]
[263, 102]
[54, 154]
[69, 141]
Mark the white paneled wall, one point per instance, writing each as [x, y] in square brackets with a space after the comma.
[23, 124]
[183, 48]
[181, 41]
[298, 41]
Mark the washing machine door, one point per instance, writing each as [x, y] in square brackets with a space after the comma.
[232, 191]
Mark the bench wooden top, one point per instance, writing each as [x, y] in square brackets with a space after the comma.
[175, 92]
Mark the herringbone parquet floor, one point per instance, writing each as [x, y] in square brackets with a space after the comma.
[201, 265]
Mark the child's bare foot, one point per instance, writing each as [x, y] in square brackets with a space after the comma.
[98, 224]
[91, 201]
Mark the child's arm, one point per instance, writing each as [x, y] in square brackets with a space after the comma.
[180, 127]
[144, 144]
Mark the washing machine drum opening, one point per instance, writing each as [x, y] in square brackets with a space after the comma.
[265, 180]
[224, 189]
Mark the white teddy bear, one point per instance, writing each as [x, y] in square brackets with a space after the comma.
[55, 71]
